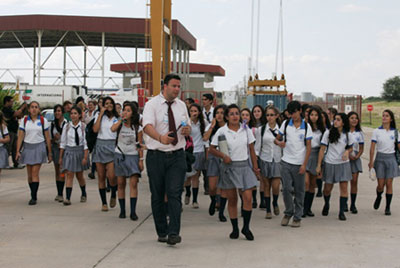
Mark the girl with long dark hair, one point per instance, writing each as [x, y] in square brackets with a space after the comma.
[338, 146]
[34, 133]
[55, 134]
[128, 159]
[103, 153]
[74, 154]
[236, 172]
[385, 140]
[213, 167]
[4, 138]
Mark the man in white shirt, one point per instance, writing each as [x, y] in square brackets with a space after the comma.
[166, 123]
[208, 111]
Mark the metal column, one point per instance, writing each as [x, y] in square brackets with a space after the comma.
[174, 48]
[34, 64]
[39, 35]
[103, 42]
[84, 65]
[65, 66]
[136, 61]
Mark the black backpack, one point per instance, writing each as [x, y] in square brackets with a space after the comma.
[91, 136]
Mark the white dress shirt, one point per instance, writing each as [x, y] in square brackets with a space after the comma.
[68, 136]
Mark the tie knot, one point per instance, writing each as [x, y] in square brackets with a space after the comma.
[169, 102]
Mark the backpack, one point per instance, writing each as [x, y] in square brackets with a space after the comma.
[91, 136]
[396, 148]
[305, 133]
[262, 135]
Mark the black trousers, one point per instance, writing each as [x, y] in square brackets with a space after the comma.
[166, 173]
[12, 147]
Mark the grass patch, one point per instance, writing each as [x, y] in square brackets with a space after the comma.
[376, 114]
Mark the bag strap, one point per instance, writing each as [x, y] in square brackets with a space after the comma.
[396, 139]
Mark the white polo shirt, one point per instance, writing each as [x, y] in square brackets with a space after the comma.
[105, 132]
[316, 139]
[68, 136]
[358, 138]
[270, 151]
[5, 134]
[295, 149]
[238, 141]
[33, 130]
[384, 140]
[127, 140]
[155, 113]
[208, 116]
[197, 137]
[336, 150]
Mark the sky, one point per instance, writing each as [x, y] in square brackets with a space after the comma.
[340, 46]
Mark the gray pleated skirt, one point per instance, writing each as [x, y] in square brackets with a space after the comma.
[313, 161]
[356, 166]
[126, 167]
[237, 174]
[104, 151]
[270, 170]
[33, 154]
[386, 166]
[200, 161]
[3, 157]
[334, 173]
[55, 150]
[213, 165]
[72, 159]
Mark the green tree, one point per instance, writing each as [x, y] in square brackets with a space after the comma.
[8, 92]
[391, 89]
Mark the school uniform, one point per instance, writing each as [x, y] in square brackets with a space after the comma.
[55, 145]
[293, 157]
[315, 146]
[3, 149]
[126, 158]
[34, 147]
[208, 116]
[385, 161]
[268, 152]
[358, 139]
[213, 162]
[73, 141]
[199, 144]
[336, 169]
[104, 149]
[238, 174]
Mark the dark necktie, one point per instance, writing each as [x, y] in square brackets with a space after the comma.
[208, 117]
[171, 122]
[76, 136]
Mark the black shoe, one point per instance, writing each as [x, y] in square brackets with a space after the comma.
[387, 212]
[32, 202]
[174, 239]
[234, 234]
[319, 194]
[211, 209]
[108, 189]
[342, 217]
[310, 214]
[248, 234]
[377, 202]
[263, 204]
[134, 217]
[304, 215]
[222, 218]
[325, 210]
[255, 204]
[91, 175]
[346, 208]
[162, 239]
[122, 215]
[353, 209]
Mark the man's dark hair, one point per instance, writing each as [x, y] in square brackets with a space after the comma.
[190, 100]
[79, 99]
[169, 77]
[67, 102]
[7, 99]
[333, 111]
[208, 96]
[293, 106]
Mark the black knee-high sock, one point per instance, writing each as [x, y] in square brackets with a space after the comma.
[103, 196]
[83, 190]
[122, 204]
[306, 202]
[218, 198]
[114, 191]
[235, 225]
[30, 186]
[68, 190]
[133, 205]
[310, 200]
[261, 196]
[379, 194]
[195, 193]
[327, 198]
[343, 202]
[275, 200]
[188, 190]
[34, 190]
[254, 193]
[60, 187]
[93, 168]
[319, 185]
[246, 219]
[388, 200]
[213, 199]
[268, 203]
[353, 199]
[222, 204]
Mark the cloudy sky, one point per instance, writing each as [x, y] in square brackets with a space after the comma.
[341, 46]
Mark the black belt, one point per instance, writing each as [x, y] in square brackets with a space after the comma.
[169, 152]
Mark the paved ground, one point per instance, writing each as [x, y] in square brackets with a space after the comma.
[51, 235]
